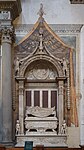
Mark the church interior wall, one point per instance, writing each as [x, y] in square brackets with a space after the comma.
[66, 20]
[56, 12]
[82, 86]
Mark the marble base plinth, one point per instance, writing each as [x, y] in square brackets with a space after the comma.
[48, 140]
[7, 144]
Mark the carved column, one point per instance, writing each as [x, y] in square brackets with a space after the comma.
[10, 10]
[21, 104]
[6, 86]
[60, 101]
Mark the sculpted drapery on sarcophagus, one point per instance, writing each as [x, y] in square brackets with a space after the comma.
[46, 75]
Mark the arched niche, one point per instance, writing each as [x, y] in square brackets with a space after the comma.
[40, 87]
[41, 58]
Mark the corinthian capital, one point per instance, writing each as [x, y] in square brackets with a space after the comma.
[7, 33]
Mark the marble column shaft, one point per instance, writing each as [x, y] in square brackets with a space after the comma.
[6, 88]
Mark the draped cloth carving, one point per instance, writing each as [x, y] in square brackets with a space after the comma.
[73, 116]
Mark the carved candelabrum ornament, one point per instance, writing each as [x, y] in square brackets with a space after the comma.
[21, 87]
[61, 88]
[21, 105]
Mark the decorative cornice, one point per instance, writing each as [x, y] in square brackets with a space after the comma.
[66, 28]
[77, 1]
[57, 28]
[12, 6]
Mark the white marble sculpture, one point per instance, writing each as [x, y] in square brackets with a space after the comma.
[64, 63]
[40, 112]
[17, 127]
[17, 64]
[42, 119]
[64, 128]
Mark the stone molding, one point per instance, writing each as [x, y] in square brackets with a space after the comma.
[23, 29]
[48, 140]
[14, 6]
[77, 1]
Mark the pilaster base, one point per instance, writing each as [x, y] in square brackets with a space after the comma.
[7, 144]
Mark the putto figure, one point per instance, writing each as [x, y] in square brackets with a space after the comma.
[64, 128]
[17, 127]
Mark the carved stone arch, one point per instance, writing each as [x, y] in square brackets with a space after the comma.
[53, 61]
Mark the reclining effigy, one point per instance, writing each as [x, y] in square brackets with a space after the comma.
[40, 119]
[40, 112]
